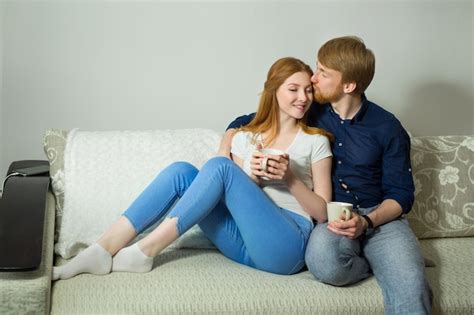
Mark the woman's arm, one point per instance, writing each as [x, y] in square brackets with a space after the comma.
[314, 202]
[232, 141]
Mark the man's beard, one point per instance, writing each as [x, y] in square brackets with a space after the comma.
[330, 97]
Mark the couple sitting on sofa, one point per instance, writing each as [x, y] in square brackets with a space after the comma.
[257, 208]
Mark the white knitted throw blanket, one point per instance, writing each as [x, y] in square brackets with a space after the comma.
[106, 170]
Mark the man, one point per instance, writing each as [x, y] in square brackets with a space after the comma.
[372, 171]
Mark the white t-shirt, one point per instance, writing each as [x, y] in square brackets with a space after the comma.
[305, 150]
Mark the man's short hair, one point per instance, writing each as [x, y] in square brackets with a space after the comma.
[349, 56]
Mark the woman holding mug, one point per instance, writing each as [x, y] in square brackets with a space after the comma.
[262, 223]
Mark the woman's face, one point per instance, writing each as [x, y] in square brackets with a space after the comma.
[295, 95]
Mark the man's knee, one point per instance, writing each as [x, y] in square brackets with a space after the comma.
[325, 260]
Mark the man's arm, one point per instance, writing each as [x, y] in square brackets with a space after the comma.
[226, 141]
[397, 178]
[387, 211]
[397, 187]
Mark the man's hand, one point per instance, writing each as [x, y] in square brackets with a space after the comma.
[352, 228]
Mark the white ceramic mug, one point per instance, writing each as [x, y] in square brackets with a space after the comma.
[337, 209]
[264, 161]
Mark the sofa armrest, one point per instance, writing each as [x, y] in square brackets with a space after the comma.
[25, 163]
[22, 214]
[29, 291]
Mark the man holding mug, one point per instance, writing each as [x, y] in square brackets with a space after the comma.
[372, 172]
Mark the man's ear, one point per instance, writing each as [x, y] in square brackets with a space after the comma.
[349, 87]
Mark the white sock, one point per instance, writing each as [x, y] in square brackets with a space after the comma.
[94, 259]
[132, 259]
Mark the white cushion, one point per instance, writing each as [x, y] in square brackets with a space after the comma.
[106, 170]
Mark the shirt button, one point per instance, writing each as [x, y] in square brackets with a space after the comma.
[340, 180]
[342, 122]
[339, 162]
[347, 191]
[340, 144]
[409, 169]
[358, 206]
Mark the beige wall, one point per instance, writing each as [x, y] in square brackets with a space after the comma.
[148, 65]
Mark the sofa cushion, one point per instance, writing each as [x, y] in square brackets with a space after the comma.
[443, 172]
[204, 282]
[104, 171]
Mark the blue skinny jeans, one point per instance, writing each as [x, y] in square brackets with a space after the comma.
[232, 211]
[391, 253]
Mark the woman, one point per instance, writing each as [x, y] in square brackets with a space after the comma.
[256, 210]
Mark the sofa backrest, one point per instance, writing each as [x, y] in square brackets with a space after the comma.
[97, 174]
[443, 171]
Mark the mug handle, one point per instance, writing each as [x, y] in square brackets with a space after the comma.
[264, 163]
[347, 214]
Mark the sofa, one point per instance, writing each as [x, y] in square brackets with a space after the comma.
[96, 174]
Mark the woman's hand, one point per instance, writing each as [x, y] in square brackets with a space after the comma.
[256, 164]
[277, 166]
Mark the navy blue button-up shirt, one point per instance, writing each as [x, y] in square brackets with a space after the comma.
[371, 155]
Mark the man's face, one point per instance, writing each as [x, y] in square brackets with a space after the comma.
[327, 84]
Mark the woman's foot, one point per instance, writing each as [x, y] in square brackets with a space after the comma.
[94, 259]
[132, 259]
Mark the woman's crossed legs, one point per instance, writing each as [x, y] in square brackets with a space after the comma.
[234, 213]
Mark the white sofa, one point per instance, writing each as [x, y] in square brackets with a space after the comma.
[100, 168]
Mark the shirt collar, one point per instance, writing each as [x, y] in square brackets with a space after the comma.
[363, 109]
[360, 114]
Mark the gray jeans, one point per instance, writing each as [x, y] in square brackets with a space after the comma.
[391, 253]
